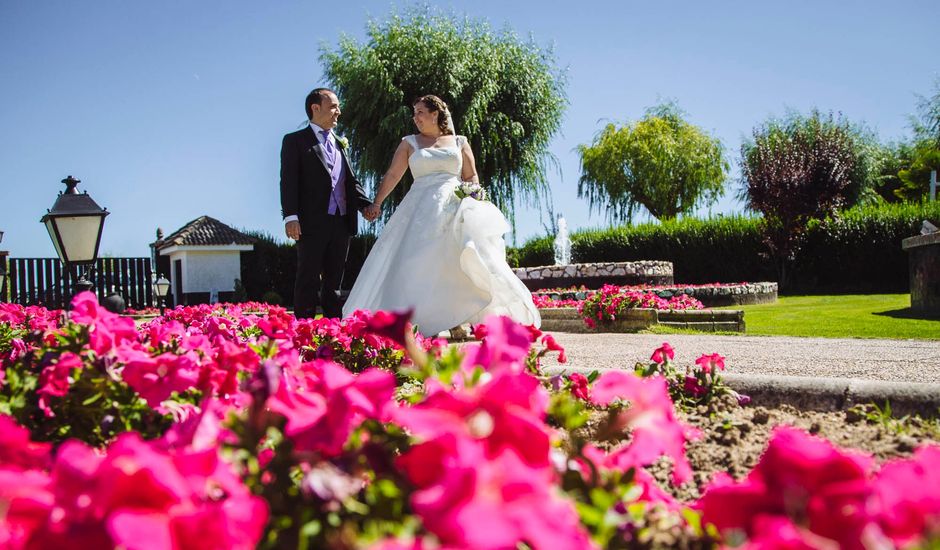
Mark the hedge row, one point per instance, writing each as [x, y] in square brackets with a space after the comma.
[858, 251]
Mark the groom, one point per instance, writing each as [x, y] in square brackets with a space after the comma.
[319, 199]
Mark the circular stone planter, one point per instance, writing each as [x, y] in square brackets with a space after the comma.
[709, 295]
[596, 275]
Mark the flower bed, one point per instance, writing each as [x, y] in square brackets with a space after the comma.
[211, 427]
[711, 295]
[613, 303]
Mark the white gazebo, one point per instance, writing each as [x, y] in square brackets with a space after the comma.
[204, 260]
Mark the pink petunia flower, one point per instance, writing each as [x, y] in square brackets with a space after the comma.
[54, 380]
[17, 450]
[708, 363]
[506, 412]
[663, 353]
[463, 487]
[106, 330]
[391, 325]
[580, 387]
[505, 347]
[802, 478]
[329, 403]
[651, 417]
[908, 501]
[553, 345]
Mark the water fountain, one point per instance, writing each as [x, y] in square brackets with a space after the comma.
[562, 243]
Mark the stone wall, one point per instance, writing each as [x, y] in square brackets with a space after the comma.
[596, 275]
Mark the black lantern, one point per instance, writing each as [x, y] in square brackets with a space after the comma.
[161, 287]
[74, 224]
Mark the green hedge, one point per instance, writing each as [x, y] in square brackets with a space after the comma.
[859, 251]
[723, 249]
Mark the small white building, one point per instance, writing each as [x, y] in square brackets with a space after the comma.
[202, 260]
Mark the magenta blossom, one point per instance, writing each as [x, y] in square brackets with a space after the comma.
[663, 353]
[694, 387]
[506, 412]
[651, 417]
[650, 490]
[108, 499]
[802, 478]
[473, 499]
[709, 363]
[908, 501]
[54, 380]
[553, 345]
[580, 387]
[391, 325]
[329, 403]
[505, 346]
[16, 448]
[106, 330]
[156, 378]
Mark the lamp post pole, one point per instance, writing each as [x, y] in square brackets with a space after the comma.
[3, 271]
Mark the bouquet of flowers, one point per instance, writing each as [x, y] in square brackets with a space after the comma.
[470, 189]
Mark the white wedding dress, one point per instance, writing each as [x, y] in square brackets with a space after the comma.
[441, 255]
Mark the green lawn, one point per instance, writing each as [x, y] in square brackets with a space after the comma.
[851, 316]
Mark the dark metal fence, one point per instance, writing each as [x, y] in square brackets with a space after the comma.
[46, 282]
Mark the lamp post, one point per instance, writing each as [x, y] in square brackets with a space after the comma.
[74, 224]
[161, 287]
[3, 270]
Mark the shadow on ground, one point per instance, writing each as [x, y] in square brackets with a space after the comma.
[908, 313]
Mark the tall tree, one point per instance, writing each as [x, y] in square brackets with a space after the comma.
[661, 162]
[802, 168]
[505, 95]
[927, 121]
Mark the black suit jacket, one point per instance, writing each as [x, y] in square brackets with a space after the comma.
[306, 183]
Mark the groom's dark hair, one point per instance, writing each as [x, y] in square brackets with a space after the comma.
[315, 96]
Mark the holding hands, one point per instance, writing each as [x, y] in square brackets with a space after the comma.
[371, 212]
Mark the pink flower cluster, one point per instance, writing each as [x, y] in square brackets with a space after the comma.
[806, 493]
[134, 494]
[611, 302]
[475, 456]
[543, 301]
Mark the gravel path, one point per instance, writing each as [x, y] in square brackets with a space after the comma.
[886, 360]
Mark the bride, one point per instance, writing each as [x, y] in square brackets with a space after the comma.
[441, 255]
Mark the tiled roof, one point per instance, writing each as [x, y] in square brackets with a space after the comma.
[204, 231]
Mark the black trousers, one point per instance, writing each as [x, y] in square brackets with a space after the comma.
[321, 259]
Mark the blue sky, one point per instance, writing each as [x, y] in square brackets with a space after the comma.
[170, 110]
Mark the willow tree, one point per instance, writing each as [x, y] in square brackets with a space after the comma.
[504, 94]
[661, 162]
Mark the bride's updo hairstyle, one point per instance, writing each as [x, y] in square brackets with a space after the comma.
[435, 104]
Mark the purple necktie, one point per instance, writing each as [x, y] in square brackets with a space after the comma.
[337, 203]
[328, 147]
